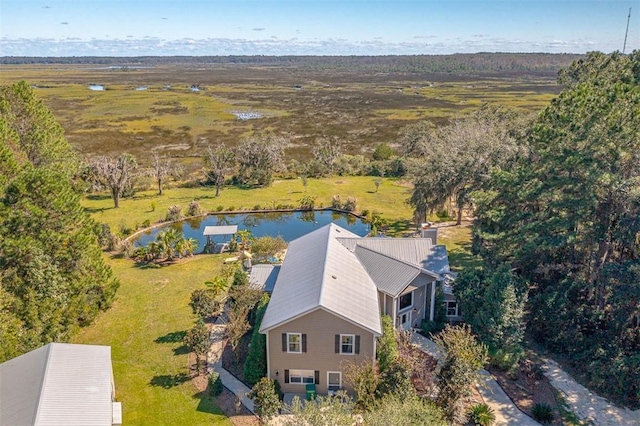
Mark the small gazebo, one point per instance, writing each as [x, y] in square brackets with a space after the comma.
[212, 231]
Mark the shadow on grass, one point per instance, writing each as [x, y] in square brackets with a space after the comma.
[181, 350]
[460, 257]
[400, 228]
[168, 381]
[173, 337]
[207, 403]
[98, 197]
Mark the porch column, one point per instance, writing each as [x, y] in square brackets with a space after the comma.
[432, 309]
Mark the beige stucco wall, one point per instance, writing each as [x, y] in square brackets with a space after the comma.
[320, 327]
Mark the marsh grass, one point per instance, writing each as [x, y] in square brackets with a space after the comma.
[360, 109]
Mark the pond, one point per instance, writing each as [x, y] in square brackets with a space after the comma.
[288, 225]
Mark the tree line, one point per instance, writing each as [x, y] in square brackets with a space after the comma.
[465, 63]
[53, 279]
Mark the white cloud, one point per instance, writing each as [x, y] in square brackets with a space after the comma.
[276, 46]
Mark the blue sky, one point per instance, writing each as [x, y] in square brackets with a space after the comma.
[310, 27]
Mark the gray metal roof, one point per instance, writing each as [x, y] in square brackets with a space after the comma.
[390, 275]
[58, 384]
[264, 277]
[415, 251]
[320, 273]
[220, 230]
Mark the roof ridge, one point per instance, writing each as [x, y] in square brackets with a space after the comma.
[324, 264]
[49, 350]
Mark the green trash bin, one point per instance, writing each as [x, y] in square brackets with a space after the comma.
[311, 392]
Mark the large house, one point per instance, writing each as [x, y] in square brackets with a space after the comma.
[328, 296]
[59, 384]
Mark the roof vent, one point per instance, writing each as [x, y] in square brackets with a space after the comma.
[337, 230]
[334, 277]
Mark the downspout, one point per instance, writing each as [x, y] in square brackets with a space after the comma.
[268, 366]
[432, 311]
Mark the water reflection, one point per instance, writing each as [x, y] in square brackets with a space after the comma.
[288, 225]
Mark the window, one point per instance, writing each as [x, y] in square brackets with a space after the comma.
[334, 380]
[406, 301]
[294, 343]
[302, 377]
[451, 308]
[347, 343]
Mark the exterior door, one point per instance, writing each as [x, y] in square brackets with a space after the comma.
[405, 320]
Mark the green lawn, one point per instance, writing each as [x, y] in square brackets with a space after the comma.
[390, 200]
[144, 329]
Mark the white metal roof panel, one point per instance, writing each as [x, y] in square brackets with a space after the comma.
[58, 384]
[318, 271]
[220, 230]
[264, 277]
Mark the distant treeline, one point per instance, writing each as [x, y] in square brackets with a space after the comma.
[455, 64]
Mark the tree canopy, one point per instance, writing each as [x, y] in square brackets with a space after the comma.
[566, 216]
[53, 277]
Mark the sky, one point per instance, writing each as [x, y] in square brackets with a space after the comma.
[313, 27]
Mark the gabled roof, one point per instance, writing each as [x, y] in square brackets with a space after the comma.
[320, 273]
[418, 252]
[58, 384]
[263, 277]
[390, 275]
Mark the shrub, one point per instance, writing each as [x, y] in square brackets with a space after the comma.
[203, 303]
[307, 202]
[257, 207]
[482, 415]
[125, 230]
[231, 208]
[265, 399]
[195, 209]
[383, 152]
[336, 202]
[255, 366]
[174, 213]
[215, 384]
[219, 208]
[153, 206]
[350, 204]
[146, 223]
[396, 379]
[387, 348]
[542, 413]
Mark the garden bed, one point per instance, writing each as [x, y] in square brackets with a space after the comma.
[527, 386]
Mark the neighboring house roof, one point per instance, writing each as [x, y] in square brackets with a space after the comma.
[220, 230]
[58, 384]
[263, 277]
[318, 272]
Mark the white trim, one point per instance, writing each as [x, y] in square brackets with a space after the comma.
[289, 351]
[353, 344]
[268, 360]
[432, 310]
[315, 308]
[339, 373]
[402, 310]
[446, 306]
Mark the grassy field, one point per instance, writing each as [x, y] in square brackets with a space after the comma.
[359, 109]
[144, 329]
[389, 200]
